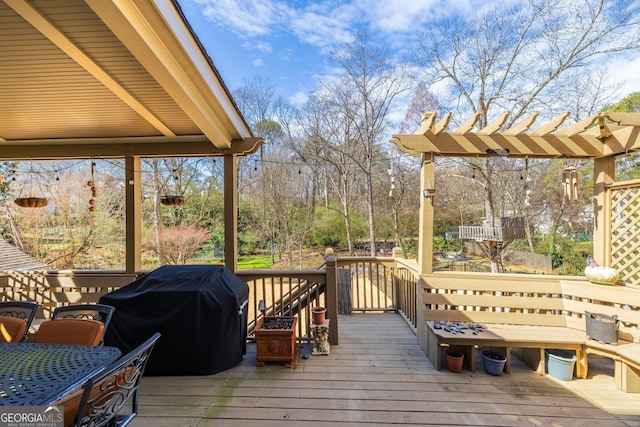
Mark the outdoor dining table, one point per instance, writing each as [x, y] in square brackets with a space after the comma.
[41, 374]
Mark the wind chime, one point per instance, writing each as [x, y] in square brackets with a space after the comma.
[570, 183]
[173, 200]
[527, 191]
[393, 180]
[31, 201]
[94, 190]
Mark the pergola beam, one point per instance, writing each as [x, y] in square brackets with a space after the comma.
[602, 135]
[475, 145]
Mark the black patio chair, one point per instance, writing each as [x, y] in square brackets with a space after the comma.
[22, 310]
[100, 312]
[106, 394]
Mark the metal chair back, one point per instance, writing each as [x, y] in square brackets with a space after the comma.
[105, 396]
[22, 310]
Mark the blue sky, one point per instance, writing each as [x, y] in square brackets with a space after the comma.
[288, 41]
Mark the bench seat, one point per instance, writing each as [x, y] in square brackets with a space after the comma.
[627, 367]
[526, 314]
[530, 342]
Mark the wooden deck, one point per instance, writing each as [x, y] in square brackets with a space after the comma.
[378, 375]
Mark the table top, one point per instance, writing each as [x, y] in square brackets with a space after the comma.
[41, 374]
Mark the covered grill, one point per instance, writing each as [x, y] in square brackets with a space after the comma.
[200, 310]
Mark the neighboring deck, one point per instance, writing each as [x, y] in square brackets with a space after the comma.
[378, 375]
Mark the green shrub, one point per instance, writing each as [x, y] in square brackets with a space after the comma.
[442, 244]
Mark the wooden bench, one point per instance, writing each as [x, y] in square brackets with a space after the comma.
[529, 341]
[620, 301]
[527, 314]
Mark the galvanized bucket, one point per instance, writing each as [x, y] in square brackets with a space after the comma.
[602, 328]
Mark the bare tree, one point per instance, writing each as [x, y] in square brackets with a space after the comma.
[522, 57]
[276, 167]
[330, 139]
[363, 95]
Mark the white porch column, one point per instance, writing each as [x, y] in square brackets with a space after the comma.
[231, 212]
[133, 208]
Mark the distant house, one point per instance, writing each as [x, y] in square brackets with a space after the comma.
[13, 259]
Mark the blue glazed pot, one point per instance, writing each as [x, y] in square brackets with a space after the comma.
[493, 362]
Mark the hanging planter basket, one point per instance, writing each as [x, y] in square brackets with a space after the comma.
[172, 200]
[31, 202]
[31, 186]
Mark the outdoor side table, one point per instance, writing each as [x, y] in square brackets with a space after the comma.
[40, 374]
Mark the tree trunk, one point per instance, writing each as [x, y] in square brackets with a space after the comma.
[15, 230]
[527, 229]
[345, 212]
[372, 228]
[157, 213]
[494, 250]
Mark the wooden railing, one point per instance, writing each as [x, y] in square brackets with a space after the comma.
[285, 293]
[380, 284]
[373, 284]
[52, 289]
[508, 229]
[370, 280]
[407, 279]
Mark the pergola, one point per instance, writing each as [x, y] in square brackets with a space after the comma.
[600, 137]
[82, 79]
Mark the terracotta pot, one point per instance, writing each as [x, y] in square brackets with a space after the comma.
[318, 314]
[454, 360]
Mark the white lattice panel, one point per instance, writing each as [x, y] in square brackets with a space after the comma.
[625, 232]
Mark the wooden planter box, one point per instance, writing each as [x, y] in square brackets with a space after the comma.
[276, 340]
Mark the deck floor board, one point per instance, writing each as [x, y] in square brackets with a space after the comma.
[379, 376]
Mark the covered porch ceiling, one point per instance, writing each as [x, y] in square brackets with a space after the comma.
[110, 78]
[83, 79]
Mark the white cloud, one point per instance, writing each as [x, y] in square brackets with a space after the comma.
[264, 47]
[398, 16]
[298, 98]
[285, 54]
[625, 72]
[246, 18]
[323, 28]
[257, 62]
[324, 24]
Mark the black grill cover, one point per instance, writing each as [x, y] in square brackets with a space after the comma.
[199, 310]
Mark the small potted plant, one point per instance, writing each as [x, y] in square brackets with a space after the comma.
[493, 362]
[318, 315]
[454, 360]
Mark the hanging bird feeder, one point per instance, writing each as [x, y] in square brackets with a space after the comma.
[31, 201]
[173, 199]
[94, 190]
